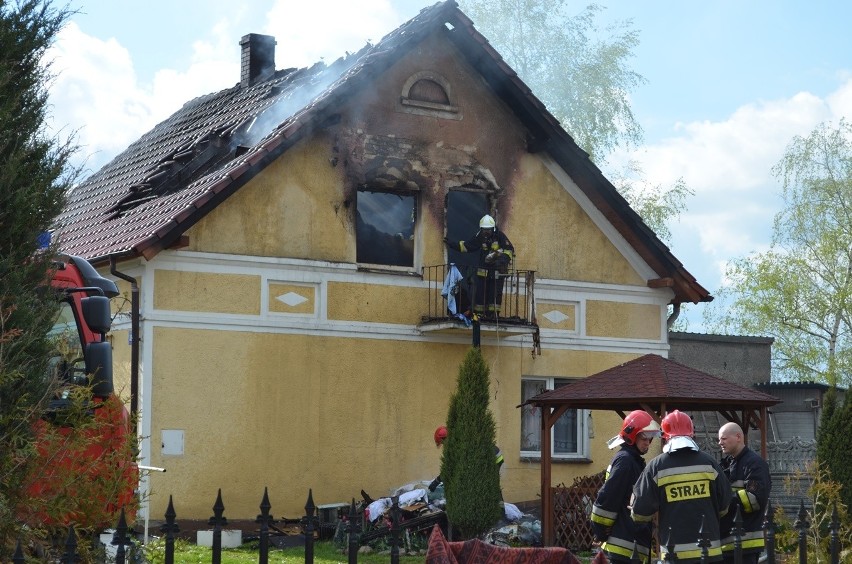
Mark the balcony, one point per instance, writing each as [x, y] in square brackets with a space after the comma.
[516, 313]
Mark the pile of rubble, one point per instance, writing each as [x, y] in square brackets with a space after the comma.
[421, 509]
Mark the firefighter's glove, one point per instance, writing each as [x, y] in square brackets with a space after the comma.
[434, 485]
[601, 535]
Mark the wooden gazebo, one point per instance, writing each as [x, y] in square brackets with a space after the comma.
[652, 383]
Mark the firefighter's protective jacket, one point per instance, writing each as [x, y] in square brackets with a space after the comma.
[690, 491]
[610, 517]
[751, 484]
[495, 250]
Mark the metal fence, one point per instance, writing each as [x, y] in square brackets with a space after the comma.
[123, 535]
[356, 531]
[572, 506]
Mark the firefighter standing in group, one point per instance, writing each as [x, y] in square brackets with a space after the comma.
[751, 484]
[440, 436]
[688, 489]
[495, 254]
[611, 521]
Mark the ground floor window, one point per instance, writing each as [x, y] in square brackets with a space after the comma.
[569, 436]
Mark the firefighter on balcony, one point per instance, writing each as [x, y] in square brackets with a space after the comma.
[495, 254]
[611, 522]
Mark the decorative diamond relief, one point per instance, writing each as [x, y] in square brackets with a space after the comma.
[555, 316]
[292, 299]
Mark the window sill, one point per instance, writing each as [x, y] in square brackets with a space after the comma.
[554, 460]
[400, 270]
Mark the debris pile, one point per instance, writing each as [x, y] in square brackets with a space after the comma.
[421, 509]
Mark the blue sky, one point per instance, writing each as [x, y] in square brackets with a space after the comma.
[729, 83]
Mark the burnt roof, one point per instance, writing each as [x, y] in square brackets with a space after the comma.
[652, 380]
[149, 195]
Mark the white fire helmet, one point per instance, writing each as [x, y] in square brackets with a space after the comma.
[487, 222]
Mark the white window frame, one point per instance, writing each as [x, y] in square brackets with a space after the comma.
[582, 425]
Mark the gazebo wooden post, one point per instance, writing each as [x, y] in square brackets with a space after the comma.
[763, 419]
[547, 525]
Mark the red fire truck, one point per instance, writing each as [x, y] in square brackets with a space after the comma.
[85, 470]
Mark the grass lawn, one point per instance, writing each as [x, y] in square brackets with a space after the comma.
[324, 553]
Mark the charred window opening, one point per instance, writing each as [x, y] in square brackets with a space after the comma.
[569, 433]
[464, 210]
[429, 93]
[385, 227]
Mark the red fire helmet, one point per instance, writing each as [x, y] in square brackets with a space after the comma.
[677, 424]
[440, 435]
[636, 422]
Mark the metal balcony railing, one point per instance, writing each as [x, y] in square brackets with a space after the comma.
[517, 307]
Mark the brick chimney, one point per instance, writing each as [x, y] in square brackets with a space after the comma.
[257, 62]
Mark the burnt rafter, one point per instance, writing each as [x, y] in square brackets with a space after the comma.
[177, 171]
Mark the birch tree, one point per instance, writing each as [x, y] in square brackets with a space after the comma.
[578, 68]
[800, 290]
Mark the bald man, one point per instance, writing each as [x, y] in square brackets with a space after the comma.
[751, 483]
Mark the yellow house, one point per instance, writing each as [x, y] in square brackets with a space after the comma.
[282, 235]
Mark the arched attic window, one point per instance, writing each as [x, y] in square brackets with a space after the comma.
[430, 94]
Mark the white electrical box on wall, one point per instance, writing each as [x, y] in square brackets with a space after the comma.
[172, 442]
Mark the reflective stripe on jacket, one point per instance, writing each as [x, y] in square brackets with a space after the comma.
[750, 484]
[610, 516]
[690, 491]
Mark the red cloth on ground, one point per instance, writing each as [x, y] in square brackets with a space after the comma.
[442, 551]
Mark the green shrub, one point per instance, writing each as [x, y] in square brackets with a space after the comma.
[823, 497]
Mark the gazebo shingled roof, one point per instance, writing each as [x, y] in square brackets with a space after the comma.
[652, 379]
[652, 383]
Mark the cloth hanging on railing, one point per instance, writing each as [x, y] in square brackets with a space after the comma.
[450, 290]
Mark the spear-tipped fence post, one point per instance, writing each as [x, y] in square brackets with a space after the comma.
[264, 520]
[769, 532]
[218, 521]
[308, 527]
[802, 524]
[634, 557]
[18, 557]
[670, 548]
[70, 556]
[394, 530]
[703, 542]
[169, 528]
[120, 539]
[834, 543]
[354, 529]
[737, 531]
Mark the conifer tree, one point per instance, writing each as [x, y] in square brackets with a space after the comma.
[34, 177]
[471, 477]
[834, 441]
